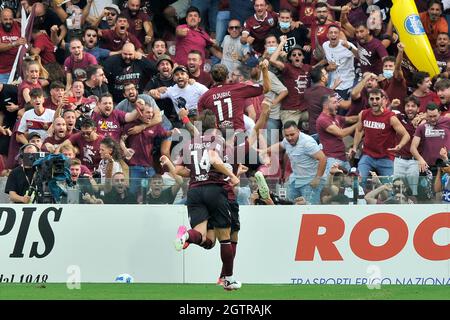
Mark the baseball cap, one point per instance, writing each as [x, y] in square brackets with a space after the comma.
[251, 62]
[180, 68]
[162, 58]
[33, 134]
[113, 6]
[296, 47]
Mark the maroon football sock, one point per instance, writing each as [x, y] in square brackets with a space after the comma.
[208, 244]
[194, 236]
[234, 246]
[226, 253]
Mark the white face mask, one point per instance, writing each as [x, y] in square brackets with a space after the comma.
[284, 25]
[271, 50]
[388, 74]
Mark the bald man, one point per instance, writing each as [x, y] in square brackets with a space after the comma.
[10, 41]
[127, 67]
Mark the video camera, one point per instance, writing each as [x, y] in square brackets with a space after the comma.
[52, 177]
[30, 158]
[51, 168]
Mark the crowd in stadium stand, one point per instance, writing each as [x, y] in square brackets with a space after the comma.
[340, 116]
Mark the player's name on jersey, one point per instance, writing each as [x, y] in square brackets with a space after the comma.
[198, 146]
[221, 95]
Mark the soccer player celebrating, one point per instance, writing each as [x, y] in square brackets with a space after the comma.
[204, 165]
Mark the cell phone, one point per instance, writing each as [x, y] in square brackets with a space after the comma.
[71, 99]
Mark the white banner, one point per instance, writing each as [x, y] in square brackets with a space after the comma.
[278, 244]
[90, 243]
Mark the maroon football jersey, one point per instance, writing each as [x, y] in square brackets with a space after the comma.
[379, 135]
[227, 101]
[198, 162]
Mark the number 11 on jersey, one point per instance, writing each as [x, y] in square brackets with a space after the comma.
[218, 104]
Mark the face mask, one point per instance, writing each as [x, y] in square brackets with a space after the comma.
[388, 73]
[285, 25]
[271, 50]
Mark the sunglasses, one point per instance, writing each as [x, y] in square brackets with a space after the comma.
[374, 98]
[234, 27]
[297, 55]
[112, 14]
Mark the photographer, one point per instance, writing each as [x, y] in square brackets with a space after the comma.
[21, 178]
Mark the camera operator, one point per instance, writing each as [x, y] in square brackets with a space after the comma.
[21, 178]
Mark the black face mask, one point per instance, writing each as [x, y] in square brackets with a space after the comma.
[7, 26]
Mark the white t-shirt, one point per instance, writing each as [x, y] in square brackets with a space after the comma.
[31, 122]
[186, 97]
[230, 46]
[102, 169]
[276, 87]
[344, 60]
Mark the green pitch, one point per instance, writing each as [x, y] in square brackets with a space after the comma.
[93, 291]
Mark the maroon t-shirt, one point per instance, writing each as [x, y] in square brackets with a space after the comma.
[88, 151]
[197, 160]
[204, 78]
[47, 47]
[112, 125]
[136, 23]
[142, 143]
[441, 59]
[113, 42]
[306, 12]
[433, 138]
[296, 81]
[48, 104]
[357, 15]
[84, 171]
[196, 39]
[70, 64]
[378, 134]
[333, 146]
[371, 55]
[22, 86]
[259, 29]
[7, 57]
[52, 140]
[359, 104]
[321, 30]
[227, 101]
[404, 152]
[396, 89]
[425, 100]
[313, 95]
